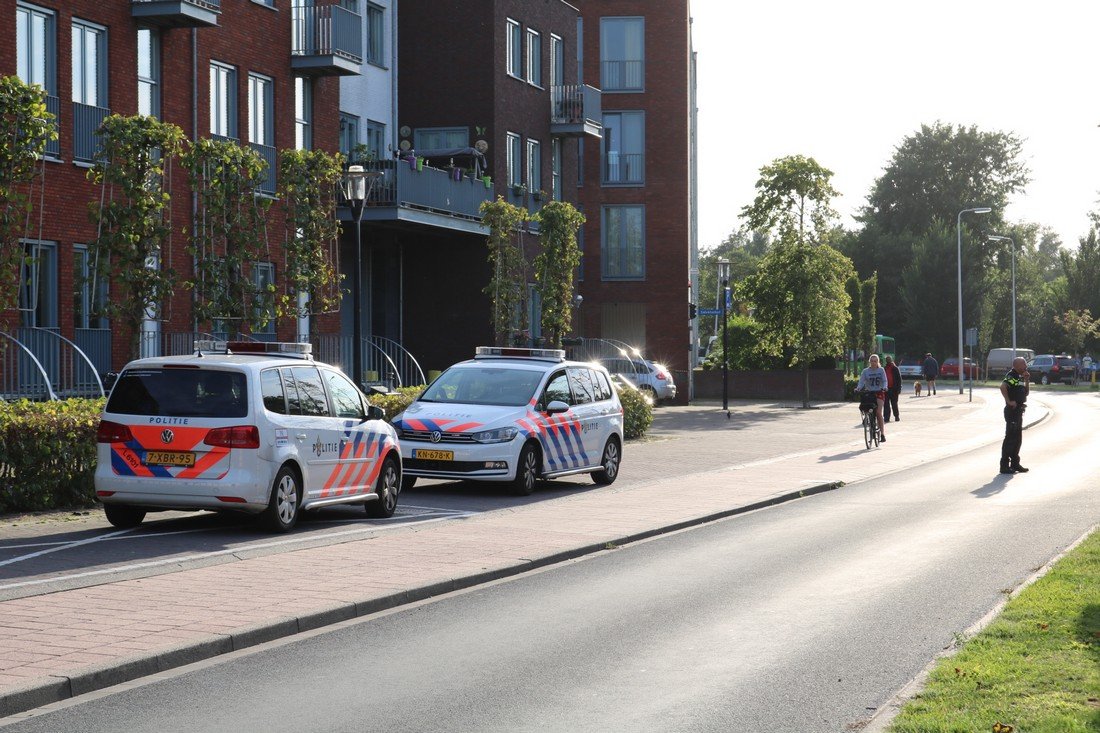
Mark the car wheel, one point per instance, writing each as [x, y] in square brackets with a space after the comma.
[389, 479]
[407, 482]
[286, 499]
[527, 470]
[1044, 379]
[612, 457]
[122, 516]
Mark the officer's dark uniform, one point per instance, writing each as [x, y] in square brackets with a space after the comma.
[1014, 423]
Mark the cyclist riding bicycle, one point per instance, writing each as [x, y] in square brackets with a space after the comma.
[872, 386]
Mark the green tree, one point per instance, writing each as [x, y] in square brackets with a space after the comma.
[868, 291]
[131, 250]
[555, 264]
[25, 128]
[793, 194]
[743, 249]
[1082, 271]
[747, 350]
[1079, 327]
[851, 327]
[800, 301]
[507, 288]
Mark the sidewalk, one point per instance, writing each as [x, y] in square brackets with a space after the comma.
[67, 643]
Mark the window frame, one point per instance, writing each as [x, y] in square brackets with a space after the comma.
[513, 48]
[223, 100]
[422, 137]
[86, 299]
[555, 169]
[153, 80]
[557, 60]
[38, 284]
[375, 50]
[606, 86]
[622, 249]
[350, 126]
[26, 50]
[89, 80]
[262, 274]
[376, 138]
[261, 109]
[533, 162]
[303, 113]
[533, 58]
[513, 159]
[609, 139]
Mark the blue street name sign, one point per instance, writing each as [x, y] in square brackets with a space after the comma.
[710, 311]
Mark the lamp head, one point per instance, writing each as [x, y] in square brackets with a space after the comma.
[982, 210]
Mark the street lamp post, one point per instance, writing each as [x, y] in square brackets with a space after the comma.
[958, 229]
[356, 188]
[724, 279]
[1012, 250]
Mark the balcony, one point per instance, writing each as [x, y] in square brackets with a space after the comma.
[86, 120]
[177, 13]
[326, 40]
[626, 169]
[53, 106]
[576, 110]
[271, 157]
[428, 196]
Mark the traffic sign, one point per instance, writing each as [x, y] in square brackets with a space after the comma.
[710, 311]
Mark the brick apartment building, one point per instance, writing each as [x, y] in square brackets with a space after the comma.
[250, 70]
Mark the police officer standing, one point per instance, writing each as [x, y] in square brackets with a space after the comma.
[1014, 389]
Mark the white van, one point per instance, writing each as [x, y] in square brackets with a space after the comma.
[999, 361]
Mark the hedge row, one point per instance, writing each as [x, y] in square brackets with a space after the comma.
[47, 454]
[48, 449]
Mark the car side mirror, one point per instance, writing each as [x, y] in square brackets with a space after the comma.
[557, 407]
[375, 413]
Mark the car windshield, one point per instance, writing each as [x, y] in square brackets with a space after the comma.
[484, 385]
[179, 393]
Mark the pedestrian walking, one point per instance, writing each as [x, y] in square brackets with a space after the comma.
[1014, 388]
[872, 382]
[930, 369]
[893, 390]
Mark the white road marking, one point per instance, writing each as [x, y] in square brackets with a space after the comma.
[65, 546]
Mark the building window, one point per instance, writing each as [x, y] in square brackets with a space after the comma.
[223, 100]
[263, 314]
[555, 168]
[534, 165]
[624, 148]
[534, 58]
[349, 134]
[303, 113]
[148, 72]
[37, 47]
[441, 138]
[557, 61]
[623, 245]
[38, 285]
[261, 123]
[622, 54]
[376, 139]
[515, 49]
[89, 64]
[376, 38]
[89, 291]
[515, 175]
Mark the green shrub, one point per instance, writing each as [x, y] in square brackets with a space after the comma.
[637, 413]
[47, 454]
[850, 382]
[396, 401]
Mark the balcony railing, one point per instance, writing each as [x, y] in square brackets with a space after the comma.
[177, 13]
[624, 168]
[623, 76]
[53, 106]
[430, 191]
[271, 157]
[326, 39]
[86, 120]
[576, 110]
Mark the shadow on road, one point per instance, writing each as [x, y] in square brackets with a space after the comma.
[995, 486]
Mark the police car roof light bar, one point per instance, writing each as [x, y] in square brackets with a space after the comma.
[280, 348]
[514, 353]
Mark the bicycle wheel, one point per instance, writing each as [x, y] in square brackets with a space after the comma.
[874, 430]
[867, 423]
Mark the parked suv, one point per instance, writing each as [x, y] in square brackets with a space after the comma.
[258, 428]
[514, 415]
[1048, 368]
[652, 378]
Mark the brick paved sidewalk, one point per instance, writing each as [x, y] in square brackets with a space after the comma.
[67, 643]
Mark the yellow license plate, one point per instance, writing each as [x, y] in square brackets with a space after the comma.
[434, 455]
[169, 458]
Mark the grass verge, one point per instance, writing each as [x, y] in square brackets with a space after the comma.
[1035, 668]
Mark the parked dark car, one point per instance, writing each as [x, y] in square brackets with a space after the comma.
[950, 368]
[1051, 368]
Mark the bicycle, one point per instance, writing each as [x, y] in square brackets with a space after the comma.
[869, 421]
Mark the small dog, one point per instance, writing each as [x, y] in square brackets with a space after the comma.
[916, 388]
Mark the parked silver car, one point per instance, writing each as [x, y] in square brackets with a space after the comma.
[651, 377]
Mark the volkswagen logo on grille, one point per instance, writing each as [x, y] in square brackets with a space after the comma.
[436, 436]
[166, 436]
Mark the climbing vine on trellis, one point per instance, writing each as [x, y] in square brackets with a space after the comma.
[307, 186]
[508, 284]
[555, 264]
[132, 249]
[25, 129]
[229, 235]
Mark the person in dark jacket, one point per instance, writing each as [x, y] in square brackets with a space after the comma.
[1014, 389]
[893, 390]
[931, 369]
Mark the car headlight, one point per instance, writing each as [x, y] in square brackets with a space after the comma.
[500, 435]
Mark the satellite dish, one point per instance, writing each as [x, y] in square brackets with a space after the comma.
[481, 146]
[405, 131]
[404, 145]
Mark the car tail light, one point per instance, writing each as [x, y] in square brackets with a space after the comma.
[104, 493]
[241, 436]
[112, 432]
[1054, 368]
[662, 376]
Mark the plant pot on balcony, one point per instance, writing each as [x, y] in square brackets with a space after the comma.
[420, 164]
[488, 181]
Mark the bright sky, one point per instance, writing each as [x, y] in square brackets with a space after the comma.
[845, 81]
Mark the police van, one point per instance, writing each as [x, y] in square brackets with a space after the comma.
[514, 415]
[259, 428]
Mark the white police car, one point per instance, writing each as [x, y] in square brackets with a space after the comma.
[514, 415]
[259, 428]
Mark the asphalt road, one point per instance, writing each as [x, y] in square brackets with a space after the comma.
[806, 616]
